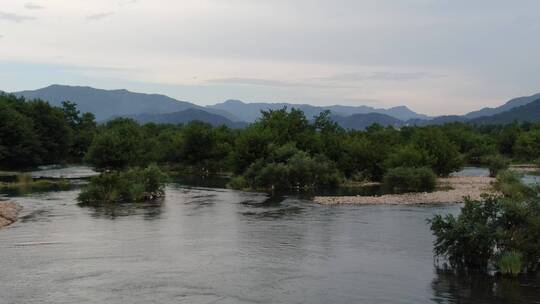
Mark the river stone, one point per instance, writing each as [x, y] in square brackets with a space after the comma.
[8, 213]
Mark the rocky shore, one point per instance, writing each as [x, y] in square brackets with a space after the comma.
[452, 190]
[8, 213]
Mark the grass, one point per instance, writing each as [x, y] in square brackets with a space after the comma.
[24, 180]
[510, 263]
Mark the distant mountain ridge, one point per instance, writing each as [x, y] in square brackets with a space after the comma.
[252, 111]
[362, 121]
[516, 102]
[529, 112]
[109, 103]
[186, 116]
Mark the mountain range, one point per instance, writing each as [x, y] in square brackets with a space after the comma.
[107, 104]
[250, 112]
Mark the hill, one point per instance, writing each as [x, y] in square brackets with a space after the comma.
[362, 121]
[251, 111]
[526, 113]
[514, 103]
[109, 103]
[186, 116]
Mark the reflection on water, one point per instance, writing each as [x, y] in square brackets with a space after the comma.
[148, 210]
[208, 245]
[449, 287]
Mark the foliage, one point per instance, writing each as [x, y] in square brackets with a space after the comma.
[133, 185]
[407, 179]
[117, 146]
[510, 263]
[445, 155]
[408, 156]
[492, 232]
[527, 145]
[288, 168]
[34, 133]
[509, 184]
[496, 163]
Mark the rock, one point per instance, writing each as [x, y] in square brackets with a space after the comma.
[8, 213]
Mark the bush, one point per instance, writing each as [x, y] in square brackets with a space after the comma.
[509, 184]
[134, 185]
[404, 179]
[288, 168]
[496, 163]
[510, 263]
[238, 182]
[495, 232]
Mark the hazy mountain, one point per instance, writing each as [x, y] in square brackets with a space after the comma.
[439, 120]
[108, 103]
[252, 111]
[526, 113]
[186, 116]
[516, 102]
[362, 121]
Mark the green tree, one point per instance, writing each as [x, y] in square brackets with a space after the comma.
[119, 144]
[445, 155]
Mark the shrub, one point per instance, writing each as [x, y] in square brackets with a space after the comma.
[134, 185]
[408, 156]
[496, 163]
[288, 168]
[494, 232]
[509, 184]
[238, 182]
[510, 263]
[404, 179]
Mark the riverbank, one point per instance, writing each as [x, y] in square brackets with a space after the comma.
[525, 168]
[451, 190]
[8, 213]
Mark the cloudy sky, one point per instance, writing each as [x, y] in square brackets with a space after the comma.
[435, 56]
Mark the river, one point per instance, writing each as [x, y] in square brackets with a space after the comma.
[211, 245]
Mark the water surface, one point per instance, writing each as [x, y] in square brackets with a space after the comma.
[209, 245]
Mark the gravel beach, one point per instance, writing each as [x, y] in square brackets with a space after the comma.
[459, 187]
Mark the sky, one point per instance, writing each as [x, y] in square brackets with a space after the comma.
[435, 56]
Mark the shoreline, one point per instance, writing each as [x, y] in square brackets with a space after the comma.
[525, 168]
[9, 213]
[461, 186]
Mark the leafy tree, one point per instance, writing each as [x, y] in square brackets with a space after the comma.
[527, 145]
[19, 145]
[445, 155]
[409, 179]
[117, 145]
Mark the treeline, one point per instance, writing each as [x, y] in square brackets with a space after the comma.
[282, 150]
[34, 133]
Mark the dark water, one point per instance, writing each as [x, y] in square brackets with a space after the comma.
[207, 245]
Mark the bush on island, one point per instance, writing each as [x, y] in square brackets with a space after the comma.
[289, 168]
[133, 185]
